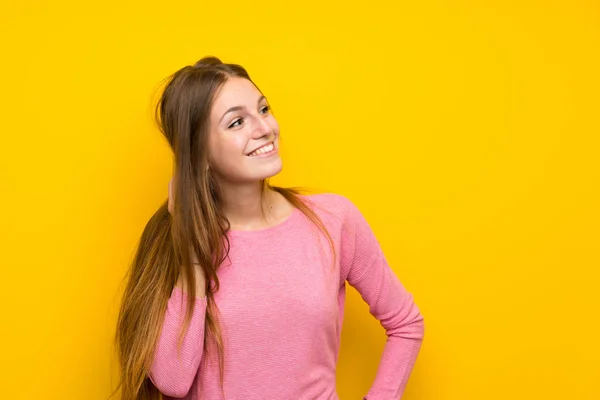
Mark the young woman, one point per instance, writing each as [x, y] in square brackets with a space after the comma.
[237, 288]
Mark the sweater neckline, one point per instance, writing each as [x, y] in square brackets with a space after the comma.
[266, 231]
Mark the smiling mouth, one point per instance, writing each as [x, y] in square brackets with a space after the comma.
[263, 150]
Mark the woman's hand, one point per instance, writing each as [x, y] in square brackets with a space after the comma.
[170, 203]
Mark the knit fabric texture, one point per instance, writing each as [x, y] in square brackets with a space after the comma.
[281, 305]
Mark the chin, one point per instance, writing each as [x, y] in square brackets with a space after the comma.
[273, 172]
[253, 173]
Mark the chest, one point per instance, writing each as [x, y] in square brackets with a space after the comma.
[284, 281]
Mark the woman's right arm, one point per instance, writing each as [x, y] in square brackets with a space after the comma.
[173, 373]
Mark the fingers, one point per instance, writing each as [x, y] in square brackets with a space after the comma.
[170, 203]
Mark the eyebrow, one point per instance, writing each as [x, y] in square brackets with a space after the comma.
[239, 108]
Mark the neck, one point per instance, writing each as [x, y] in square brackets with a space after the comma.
[248, 206]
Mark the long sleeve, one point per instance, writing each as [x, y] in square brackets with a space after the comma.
[366, 269]
[173, 373]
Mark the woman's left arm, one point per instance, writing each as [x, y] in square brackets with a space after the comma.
[365, 268]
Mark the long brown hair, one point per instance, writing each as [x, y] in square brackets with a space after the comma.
[197, 223]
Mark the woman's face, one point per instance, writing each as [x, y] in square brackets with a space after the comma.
[243, 139]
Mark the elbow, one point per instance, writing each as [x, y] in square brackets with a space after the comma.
[412, 326]
[419, 327]
[415, 323]
[172, 386]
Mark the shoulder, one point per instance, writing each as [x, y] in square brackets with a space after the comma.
[333, 204]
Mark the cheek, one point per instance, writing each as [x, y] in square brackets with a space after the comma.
[227, 151]
[226, 146]
[236, 144]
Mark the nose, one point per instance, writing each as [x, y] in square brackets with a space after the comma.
[261, 128]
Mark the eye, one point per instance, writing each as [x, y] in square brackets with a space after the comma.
[265, 109]
[236, 122]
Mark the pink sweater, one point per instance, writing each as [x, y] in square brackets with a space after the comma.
[282, 304]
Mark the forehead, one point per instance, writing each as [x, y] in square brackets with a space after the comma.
[235, 92]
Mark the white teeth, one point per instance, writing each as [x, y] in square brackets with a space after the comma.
[262, 150]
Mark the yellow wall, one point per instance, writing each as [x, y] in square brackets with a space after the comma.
[467, 133]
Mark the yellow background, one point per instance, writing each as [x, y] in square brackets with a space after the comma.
[466, 132]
